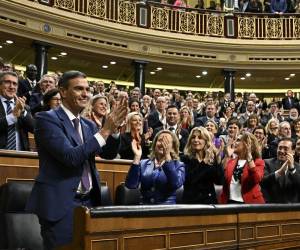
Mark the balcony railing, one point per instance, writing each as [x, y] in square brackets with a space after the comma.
[186, 21]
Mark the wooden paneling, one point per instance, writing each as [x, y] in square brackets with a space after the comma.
[24, 166]
[178, 232]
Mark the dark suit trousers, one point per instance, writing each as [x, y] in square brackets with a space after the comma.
[59, 233]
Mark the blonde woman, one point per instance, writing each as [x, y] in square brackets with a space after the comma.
[97, 110]
[134, 130]
[202, 168]
[161, 174]
[186, 118]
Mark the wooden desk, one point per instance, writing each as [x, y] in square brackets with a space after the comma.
[23, 165]
[186, 227]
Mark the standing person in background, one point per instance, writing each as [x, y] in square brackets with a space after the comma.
[67, 144]
[281, 182]
[27, 85]
[134, 131]
[46, 83]
[202, 167]
[244, 173]
[96, 110]
[15, 118]
[160, 175]
[51, 100]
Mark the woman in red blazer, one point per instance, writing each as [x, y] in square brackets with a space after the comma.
[244, 172]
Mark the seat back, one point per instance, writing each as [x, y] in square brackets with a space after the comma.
[17, 228]
[179, 195]
[14, 196]
[105, 196]
[23, 231]
[126, 196]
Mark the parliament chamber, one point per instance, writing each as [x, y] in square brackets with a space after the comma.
[142, 37]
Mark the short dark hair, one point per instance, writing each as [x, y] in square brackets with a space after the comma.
[10, 73]
[172, 106]
[69, 75]
[260, 127]
[287, 139]
[234, 120]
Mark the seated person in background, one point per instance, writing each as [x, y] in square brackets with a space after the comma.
[244, 173]
[202, 168]
[15, 118]
[278, 6]
[51, 100]
[97, 110]
[46, 83]
[134, 130]
[160, 175]
[281, 182]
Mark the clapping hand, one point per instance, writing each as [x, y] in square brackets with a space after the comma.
[137, 150]
[290, 160]
[116, 118]
[20, 106]
[230, 147]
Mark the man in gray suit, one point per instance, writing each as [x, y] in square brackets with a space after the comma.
[281, 182]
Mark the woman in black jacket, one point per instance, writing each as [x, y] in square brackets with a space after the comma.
[202, 167]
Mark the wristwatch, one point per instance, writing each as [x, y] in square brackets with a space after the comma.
[249, 160]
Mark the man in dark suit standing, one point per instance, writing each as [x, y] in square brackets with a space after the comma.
[281, 182]
[172, 119]
[67, 144]
[157, 118]
[289, 101]
[15, 119]
[210, 114]
[27, 85]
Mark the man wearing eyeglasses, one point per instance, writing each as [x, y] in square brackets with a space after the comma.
[15, 119]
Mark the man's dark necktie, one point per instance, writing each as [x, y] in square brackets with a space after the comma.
[11, 130]
[171, 129]
[86, 168]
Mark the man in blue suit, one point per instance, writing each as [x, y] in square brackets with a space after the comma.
[67, 145]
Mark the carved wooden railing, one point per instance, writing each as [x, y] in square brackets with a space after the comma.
[187, 21]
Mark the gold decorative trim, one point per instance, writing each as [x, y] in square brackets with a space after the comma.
[195, 245]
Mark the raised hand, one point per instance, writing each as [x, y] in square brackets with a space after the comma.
[137, 150]
[290, 160]
[20, 106]
[117, 117]
[229, 149]
[167, 146]
[148, 134]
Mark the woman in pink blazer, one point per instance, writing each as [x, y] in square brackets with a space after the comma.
[244, 172]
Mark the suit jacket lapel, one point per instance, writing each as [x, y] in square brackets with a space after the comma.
[69, 128]
[86, 133]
